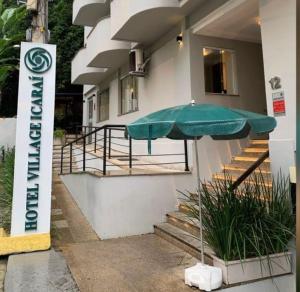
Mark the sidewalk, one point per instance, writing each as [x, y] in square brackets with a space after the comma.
[135, 264]
[3, 263]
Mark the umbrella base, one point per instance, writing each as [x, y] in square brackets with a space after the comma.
[204, 277]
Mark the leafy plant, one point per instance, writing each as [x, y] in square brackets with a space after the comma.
[6, 188]
[59, 133]
[10, 36]
[254, 221]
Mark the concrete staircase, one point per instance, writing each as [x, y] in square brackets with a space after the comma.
[183, 231]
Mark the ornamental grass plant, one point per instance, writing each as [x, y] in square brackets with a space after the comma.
[254, 220]
[6, 188]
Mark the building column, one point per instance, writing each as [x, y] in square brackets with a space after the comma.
[278, 28]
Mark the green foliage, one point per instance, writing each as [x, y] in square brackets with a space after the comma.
[69, 39]
[6, 188]
[253, 221]
[12, 33]
[59, 133]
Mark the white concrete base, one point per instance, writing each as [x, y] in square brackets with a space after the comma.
[126, 205]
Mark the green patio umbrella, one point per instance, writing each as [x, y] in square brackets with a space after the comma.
[193, 121]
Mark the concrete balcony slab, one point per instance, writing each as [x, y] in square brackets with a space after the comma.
[88, 12]
[83, 74]
[144, 21]
[103, 52]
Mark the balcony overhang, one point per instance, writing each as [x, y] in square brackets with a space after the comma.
[88, 12]
[144, 21]
[236, 19]
[103, 52]
[84, 75]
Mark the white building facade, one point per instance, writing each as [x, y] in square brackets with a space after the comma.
[236, 53]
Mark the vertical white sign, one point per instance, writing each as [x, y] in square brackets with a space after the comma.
[31, 208]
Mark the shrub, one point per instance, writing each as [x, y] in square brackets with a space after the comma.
[6, 188]
[253, 221]
[59, 133]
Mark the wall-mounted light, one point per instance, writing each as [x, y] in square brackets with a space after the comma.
[258, 21]
[179, 39]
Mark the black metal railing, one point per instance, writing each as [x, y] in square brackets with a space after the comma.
[254, 166]
[98, 149]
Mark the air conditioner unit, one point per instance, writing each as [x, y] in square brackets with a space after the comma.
[32, 5]
[136, 63]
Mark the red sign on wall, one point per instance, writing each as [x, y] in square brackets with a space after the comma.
[279, 103]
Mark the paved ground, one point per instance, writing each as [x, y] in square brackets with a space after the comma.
[140, 263]
[136, 264]
[68, 223]
[39, 272]
[3, 263]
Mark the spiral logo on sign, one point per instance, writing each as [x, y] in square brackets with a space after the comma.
[38, 60]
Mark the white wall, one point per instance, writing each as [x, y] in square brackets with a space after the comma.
[176, 76]
[250, 75]
[278, 27]
[8, 132]
[126, 205]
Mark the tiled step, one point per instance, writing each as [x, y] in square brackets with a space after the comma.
[238, 172]
[259, 142]
[248, 158]
[257, 155]
[183, 240]
[255, 150]
[183, 222]
[220, 176]
[241, 167]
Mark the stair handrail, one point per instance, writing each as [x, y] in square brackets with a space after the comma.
[250, 170]
[83, 138]
[107, 147]
[93, 132]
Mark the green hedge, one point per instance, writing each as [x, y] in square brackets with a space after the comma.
[6, 188]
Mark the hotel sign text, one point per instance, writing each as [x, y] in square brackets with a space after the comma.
[34, 141]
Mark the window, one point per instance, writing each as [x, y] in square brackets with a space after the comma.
[129, 94]
[103, 105]
[220, 71]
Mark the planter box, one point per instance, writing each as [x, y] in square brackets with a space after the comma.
[59, 141]
[252, 269]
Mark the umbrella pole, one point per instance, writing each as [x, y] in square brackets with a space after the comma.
[200, 201]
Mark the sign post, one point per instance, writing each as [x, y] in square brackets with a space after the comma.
[31, 208]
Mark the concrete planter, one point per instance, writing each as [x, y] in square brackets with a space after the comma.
[256, 268]
[59, 141]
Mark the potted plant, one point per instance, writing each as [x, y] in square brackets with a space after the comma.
[59, 137]
[248, 229]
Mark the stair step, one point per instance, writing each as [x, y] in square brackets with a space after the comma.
[220, 176]
[255, 150]
[257, 155]
[182, 240]
[238, 172]
[248, 158]
[182, 221]
[259, 142]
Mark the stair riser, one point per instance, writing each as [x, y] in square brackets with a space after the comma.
[183, 225]
[177, 242]
[234, 177]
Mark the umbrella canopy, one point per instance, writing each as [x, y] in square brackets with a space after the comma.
[197, 120]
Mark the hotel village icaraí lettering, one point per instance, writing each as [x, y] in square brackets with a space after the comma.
[38, 61]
